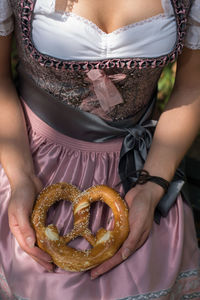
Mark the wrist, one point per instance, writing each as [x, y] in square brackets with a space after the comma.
[155, 185]
[17, 166]
[143, 176]
[154, 191]
[19, 176]
[26, 181]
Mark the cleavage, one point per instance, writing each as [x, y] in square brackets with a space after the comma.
[109, 18]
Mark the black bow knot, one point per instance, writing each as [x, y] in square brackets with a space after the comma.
[134, 151]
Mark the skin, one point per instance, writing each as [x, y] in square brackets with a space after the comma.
[16, 160]
[106, 15]
[176, 130]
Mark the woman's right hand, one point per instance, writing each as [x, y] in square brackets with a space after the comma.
[20, 208]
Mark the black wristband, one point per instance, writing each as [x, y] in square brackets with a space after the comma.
[144, 176]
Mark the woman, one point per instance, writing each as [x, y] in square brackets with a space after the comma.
[87, 78]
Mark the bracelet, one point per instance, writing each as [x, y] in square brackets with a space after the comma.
[144, 176]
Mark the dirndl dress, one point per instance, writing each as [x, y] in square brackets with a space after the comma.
[167, 266]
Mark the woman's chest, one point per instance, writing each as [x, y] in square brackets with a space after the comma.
[110, 15]
[77, 34]
[70, 80]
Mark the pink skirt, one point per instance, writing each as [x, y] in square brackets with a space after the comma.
[167, 266]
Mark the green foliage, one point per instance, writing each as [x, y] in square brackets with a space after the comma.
[165, 85]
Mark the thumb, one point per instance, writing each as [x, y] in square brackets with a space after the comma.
[25, 236]
[132, 244]
[26, 230]
[21, 228]
[126, 250]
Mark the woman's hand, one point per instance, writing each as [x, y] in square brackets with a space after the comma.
[141, 201]
[23, 194]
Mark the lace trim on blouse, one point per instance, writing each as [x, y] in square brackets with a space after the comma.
[118, 30]
[48, 7]
[27, 8]
[193, 33]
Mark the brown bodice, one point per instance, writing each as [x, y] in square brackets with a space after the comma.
[69, 82]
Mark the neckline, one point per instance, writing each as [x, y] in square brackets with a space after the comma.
[95, 26]
[27, 8]
[119, 29]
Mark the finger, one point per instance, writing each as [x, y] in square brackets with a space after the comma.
[133, 243]
[107, 265]
[119, 256]
[142, 241]
[126, 250]
[19, 217]
[48, 267]
[28, 248]
[35, 252]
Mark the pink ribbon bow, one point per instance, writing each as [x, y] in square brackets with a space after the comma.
[105, 90]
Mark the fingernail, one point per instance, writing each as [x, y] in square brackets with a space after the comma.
[51, 271]
[94, 276]
[126, 253]
[47, 258]
[30, 242]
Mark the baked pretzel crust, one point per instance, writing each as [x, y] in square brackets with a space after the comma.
[104, 244]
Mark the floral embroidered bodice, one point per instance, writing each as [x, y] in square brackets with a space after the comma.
[114, 88]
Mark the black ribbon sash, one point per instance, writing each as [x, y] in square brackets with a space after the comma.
[137, 133]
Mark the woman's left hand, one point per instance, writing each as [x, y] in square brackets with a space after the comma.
[142, 201]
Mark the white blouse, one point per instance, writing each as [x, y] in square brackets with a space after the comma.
[77, 38]
[69, 36]
[6, 20]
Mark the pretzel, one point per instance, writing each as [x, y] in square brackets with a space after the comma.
[105, 243]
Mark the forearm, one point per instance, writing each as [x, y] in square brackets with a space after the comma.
[179, 123]
[15, 155]
[175, 132]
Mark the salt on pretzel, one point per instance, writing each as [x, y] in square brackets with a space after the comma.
[105, 243]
